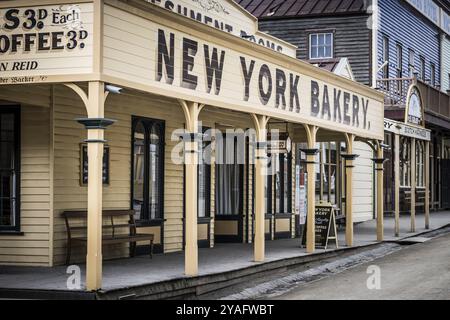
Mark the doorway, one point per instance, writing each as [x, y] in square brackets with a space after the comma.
[445, 179]
[9, 169]
[148, 145]
[229, 202]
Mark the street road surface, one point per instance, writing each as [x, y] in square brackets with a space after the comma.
[420, 271]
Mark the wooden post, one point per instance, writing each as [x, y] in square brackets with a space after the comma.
[260, 123]
[311, 152]
[397, 184]
[349, 158]
[413, 185]
[427, 184]
[94, 222]
[95, 124]
[380, 201]
[191, 111]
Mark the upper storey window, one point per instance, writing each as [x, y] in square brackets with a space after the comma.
[321, 45]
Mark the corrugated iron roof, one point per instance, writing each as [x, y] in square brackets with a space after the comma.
[266, 9]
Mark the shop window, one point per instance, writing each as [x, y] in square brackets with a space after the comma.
[326, 169]
[399, 68]
[411, 62]
[321, 45]
[229, 176]
[148, 169]
[432, 74]
[204, 179]
[9, 169]
[405, 165]
[422, 73]
[279, 187]
[420, 173]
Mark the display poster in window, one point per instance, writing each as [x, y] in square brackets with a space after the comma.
[85, 165]
[325, 226]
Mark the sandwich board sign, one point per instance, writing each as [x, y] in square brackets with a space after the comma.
[325, 226]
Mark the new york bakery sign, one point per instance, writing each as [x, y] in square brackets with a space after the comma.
[167, 59]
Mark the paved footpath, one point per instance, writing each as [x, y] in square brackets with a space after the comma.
[421, 271]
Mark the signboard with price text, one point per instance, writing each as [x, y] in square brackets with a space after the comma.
[37, 42]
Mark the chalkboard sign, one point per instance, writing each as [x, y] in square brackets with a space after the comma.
[325, 227]
[85, 164]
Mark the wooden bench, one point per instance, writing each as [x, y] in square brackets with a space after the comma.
[111, 237]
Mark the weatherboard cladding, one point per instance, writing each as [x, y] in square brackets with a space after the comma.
[400, 24]
[352, 38]
[293, 8]
[445, 82]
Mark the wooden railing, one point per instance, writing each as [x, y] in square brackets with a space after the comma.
[435, 100]
[396, 92]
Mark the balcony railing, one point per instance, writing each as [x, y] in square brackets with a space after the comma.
[396, 92]
[435, 100]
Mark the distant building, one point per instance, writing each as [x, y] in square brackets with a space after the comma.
[390, 45]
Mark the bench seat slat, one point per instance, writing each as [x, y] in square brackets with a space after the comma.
[84, 228]
[120, 238]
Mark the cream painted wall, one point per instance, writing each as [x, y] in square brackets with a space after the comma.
[33, 248]
[363, 177]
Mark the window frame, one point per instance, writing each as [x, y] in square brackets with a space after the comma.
[432, 74]
[148, 221]
[271, 196]
[405, 162]
[420, 164]
[386, 56]
[423, 67]
[240, 182]
[16, 229]
[324, 168]
[310, 46]
[399, 54]
[411, 62]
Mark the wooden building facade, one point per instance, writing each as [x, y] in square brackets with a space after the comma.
[101, 105]
[391, 45]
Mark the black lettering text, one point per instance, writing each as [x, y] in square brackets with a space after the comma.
[247, 73]
[293, 96]
[337, 105]
[355, 118]
[264, 73]
[214, 68]
[166, 56]
[346, 107]
[326, 103]
[280, 89]
[315, 103]
[190, 48]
